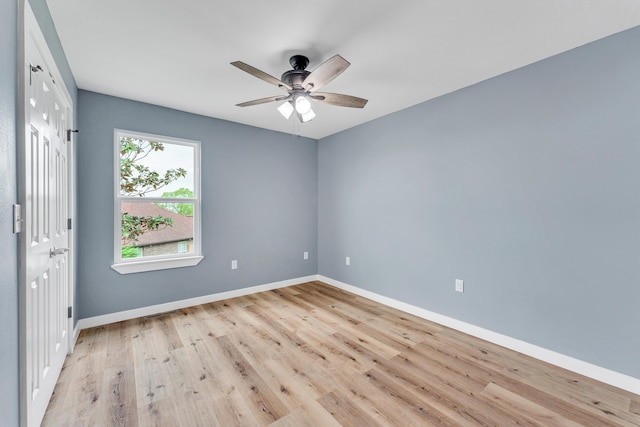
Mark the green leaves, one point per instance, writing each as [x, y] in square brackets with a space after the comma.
[131, 252]
[185, 209]
[136, 179]
[134, 226]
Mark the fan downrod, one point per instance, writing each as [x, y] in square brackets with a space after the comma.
[299, 62]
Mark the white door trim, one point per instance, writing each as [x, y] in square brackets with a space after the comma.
[28, 32]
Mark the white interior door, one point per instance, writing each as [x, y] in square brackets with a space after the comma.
[45, 242]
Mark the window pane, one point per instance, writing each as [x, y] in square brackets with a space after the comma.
[157, 205]
[149, 229]
[156, 169]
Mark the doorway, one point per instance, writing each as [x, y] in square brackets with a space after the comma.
[45, 177]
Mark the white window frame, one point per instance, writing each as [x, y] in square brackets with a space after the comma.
[158, 262]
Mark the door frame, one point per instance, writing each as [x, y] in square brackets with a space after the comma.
[29, 29]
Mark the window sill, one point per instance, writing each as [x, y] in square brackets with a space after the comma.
[156, 264]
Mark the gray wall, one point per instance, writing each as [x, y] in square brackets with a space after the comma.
[9, 407]
[259, 206]
[525, 186]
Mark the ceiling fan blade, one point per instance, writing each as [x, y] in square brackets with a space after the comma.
[326, 72]
[260, 74]
[262, 101]
[339, 99]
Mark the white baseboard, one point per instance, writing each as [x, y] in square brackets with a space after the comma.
[91, 322]
[76, 333]
[595, 372]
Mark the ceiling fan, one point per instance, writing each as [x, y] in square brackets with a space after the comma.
[301, 86]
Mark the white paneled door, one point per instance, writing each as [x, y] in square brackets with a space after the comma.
[45, 239]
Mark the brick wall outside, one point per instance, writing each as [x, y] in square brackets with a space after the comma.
[165, 248]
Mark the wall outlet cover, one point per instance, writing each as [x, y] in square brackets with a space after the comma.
[459, 285]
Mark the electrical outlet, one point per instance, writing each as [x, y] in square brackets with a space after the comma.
[347, 260]
[459, 285]
[234, 264]
[305, 255]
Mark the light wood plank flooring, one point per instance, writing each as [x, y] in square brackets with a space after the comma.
[313, 355]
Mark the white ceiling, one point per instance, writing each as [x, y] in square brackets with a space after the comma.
[402, 52]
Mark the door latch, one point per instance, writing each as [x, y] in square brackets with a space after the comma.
[17, 219]
[57, 251]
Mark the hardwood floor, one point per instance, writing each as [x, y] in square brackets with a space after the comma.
[313, 355]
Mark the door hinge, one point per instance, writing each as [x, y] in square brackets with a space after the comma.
[69, 132]
[69, 312]
[34, 69]
[68, 223]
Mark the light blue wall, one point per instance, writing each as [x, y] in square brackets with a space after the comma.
[526, 186]
[9, 406]
[259, 206]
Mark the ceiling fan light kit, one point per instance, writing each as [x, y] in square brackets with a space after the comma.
[286, 109]
[301, 86]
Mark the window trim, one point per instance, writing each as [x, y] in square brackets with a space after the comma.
[157, 262]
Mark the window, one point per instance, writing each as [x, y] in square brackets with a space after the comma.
[157, 202]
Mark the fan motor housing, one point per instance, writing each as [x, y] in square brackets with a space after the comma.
[294, 78]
